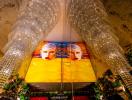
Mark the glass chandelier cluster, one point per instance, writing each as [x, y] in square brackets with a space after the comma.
[35, 20]
[89, 19]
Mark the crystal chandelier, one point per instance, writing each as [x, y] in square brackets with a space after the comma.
[89, 19]
[35, 20]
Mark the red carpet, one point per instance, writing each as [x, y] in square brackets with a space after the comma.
[80, 98]
[38, 98]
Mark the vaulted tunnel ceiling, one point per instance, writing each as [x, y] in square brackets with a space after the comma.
[119, 11]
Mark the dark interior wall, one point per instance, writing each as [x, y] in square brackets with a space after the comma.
[8, 13]
[120, 18]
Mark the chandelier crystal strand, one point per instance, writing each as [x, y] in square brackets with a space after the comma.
[35, 20]
[89, 19]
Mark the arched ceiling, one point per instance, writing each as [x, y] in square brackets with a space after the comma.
[119, 11]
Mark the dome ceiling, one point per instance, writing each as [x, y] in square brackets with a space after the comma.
[119, 18]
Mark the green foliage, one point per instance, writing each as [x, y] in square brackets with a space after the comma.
[97, 91]
[110, 84]
[24, 92]
[18, 87]
[7, 87]
[116, 84]
[23, 97]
